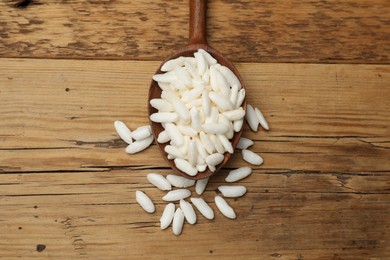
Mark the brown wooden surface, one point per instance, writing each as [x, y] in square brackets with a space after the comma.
[67, 189]
[245, 30]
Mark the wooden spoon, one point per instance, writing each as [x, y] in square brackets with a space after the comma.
[197, 40]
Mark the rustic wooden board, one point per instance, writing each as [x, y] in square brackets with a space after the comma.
[251, 31]
[67, 187]
[94, 215]
[66, 108]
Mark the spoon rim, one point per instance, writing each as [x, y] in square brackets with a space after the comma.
[188, 51]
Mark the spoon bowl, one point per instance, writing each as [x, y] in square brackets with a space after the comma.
[197, 40]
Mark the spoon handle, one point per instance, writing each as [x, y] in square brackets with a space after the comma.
[198, 22]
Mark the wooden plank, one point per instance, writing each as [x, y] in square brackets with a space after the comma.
[94, 215]
[331, 118]
[251, 31]
[346, 156]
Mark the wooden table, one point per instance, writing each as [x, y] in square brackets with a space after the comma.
[319, 70]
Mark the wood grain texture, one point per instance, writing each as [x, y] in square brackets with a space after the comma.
[69, 106]
[247, 31]
[95, 216]
[66, 183]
